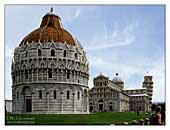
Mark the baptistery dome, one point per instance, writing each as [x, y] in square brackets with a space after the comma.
[50, 71]
[50, 30]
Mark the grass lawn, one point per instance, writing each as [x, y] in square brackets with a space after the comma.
[104, 118]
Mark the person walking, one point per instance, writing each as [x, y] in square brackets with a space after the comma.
[163, 116]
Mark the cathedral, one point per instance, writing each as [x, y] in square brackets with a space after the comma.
[110, 95]
[50, 71]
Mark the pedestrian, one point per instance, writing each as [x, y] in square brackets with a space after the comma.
[155, 118]
[163, 116]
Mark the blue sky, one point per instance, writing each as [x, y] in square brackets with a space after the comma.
[128, 40]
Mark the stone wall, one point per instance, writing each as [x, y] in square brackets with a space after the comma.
[49, 67]
[48, 104]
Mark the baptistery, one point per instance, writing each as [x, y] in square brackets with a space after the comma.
[50, 71]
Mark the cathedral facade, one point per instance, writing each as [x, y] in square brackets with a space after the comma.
[50, 71]
[107, 95]
[110, 95]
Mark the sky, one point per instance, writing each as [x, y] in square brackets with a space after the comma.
[128, 40]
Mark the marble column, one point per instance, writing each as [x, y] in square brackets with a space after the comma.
[37, 74]
[32, 101]
[73, 102]
[47, 93]
[82, 103]
[87, 104]
[61, 102]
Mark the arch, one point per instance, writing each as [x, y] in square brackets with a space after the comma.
[24, 66]
[91, 108]
[26, 74]
[78, 95]
[68, 74]
[25, 89]
[85, 92]
[100, 106]
[50, 74]
[26, 54]
[52, 66]
[52, 52]
[39, 52]
[100, 101]
[65, 53]
[27, 93]
[18, 67]
[40, 94]
[55, 94]
[32, 66]
[76, 57]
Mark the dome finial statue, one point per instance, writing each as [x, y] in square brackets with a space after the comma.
[100, 73]
[51, 9]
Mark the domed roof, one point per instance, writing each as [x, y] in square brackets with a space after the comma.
[117, 78]
[50, 30]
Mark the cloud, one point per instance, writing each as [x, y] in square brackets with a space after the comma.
[77, 13]
[158, 73]
[125, 70]
[117, 37]
[72, 15]
[9, 51]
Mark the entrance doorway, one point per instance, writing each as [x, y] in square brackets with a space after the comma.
[100, 107]
[28, 105]
[91, 108]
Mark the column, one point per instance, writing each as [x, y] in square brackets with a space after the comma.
[37, 74]
[42, 75]
[87, 104]
[22, 103]
[32, 101]
[82, 102]
[32, 75]
[73, 102]
[61, 102]
[120, 105]
[47, 101]
[47, 74]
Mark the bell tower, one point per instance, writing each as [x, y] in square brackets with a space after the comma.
[148, 84]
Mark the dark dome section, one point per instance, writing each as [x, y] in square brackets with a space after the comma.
[50, 31]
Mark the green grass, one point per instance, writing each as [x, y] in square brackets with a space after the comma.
[104, 118]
